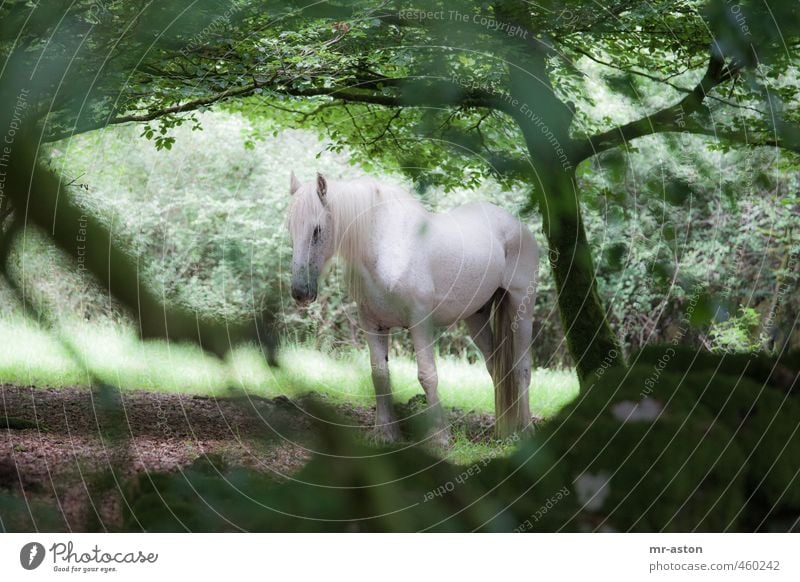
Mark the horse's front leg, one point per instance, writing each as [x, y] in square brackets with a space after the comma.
[386, 427]
[422, 338]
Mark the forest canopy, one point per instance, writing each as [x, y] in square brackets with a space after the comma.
[449, 95]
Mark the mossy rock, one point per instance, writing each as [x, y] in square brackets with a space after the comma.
[636, 451]
[772, 441]
[747, 392]
[21, 514]
[766, 425]
[399, 489]
[761, 368]
[643, 459]
[533, 488]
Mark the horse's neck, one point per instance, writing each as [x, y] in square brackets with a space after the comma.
[387, 244]
[356, 251]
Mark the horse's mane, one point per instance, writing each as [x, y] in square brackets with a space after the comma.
[352, 204]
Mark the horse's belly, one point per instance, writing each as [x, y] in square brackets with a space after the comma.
[447, 293]
[384, 310]
[462, 287]
[448, 269]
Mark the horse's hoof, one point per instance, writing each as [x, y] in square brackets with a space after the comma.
[386, 434]
[440, 438]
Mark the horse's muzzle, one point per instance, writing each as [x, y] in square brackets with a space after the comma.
[303, 296]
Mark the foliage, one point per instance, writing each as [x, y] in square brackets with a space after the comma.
[425, 96]
[656, 241]
[276, 51]
[739, 333]
[727, 239]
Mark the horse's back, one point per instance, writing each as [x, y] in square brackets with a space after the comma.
[488, 220]
[471, 251]
[498, 220]
[476, 227]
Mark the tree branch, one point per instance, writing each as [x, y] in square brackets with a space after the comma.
[408, 93]
[743, 137]
[670, 119]
[157, 113]
[657, 79]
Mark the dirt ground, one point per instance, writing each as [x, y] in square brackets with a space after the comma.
[59, 444]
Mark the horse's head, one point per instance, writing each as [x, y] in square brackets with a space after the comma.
[311, 229]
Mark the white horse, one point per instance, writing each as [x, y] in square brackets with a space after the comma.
[411, 268]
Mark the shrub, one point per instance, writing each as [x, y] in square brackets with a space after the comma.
[740, 333]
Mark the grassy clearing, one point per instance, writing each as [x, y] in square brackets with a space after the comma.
[31, 356]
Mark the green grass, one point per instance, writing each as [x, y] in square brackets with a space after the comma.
[32, 356]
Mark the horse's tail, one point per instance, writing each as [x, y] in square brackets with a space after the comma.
[508, 403]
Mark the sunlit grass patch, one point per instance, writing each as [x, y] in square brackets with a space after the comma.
[31, 356]
[463, 451]
[34, 356]
[346, 377]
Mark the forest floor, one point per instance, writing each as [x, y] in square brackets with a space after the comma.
[175, 406]
[72, 448]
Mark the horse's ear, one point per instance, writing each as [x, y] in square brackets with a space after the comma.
[294, 184]
[322, 187]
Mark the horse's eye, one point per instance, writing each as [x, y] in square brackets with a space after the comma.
[315, 236]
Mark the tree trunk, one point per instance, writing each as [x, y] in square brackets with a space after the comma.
[590, 340]
[545, 121]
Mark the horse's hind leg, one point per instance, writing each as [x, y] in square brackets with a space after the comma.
[522, 330]
[422, 338]
[480, 329]
[386, 427]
